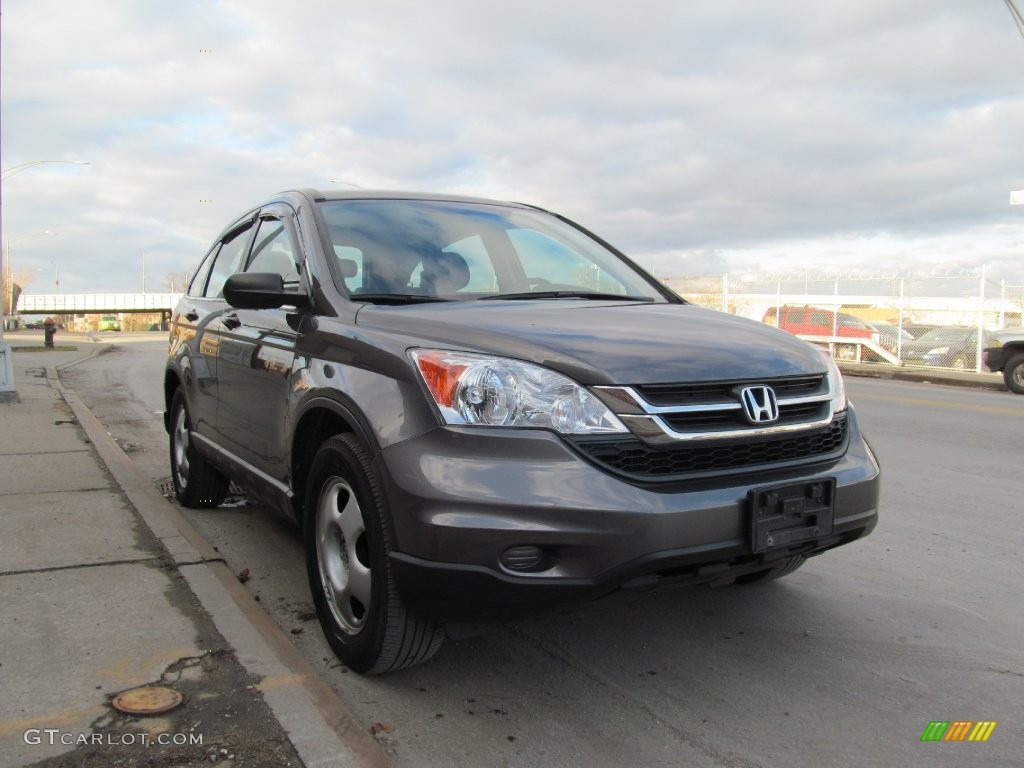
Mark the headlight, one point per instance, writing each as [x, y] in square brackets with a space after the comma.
[835, 383]
[499, 392]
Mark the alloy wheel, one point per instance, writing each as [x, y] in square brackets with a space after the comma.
[342, 555]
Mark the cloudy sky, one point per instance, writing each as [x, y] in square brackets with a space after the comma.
[701, 137]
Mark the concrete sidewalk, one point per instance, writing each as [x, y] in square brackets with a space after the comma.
[105, 587]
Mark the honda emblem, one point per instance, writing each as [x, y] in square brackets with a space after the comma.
[759, 404]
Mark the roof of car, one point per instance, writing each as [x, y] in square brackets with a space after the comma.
[389, 194]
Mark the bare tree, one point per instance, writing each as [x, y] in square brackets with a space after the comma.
[11, 286]
[175, 282]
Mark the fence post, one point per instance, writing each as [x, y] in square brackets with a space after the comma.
[1002, 303]
[835, 312]
[981, 324]
[899, 325]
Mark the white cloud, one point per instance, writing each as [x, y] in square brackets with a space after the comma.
[690, 134]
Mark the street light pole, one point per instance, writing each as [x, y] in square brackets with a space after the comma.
[7, 279]
[25, 166]
[6, 369]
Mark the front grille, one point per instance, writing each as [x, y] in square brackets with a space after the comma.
[715, 392]
[694, 421]
[641, 460]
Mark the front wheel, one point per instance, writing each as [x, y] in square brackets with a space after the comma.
[1013, 373]
[196, 482]
[347, 545]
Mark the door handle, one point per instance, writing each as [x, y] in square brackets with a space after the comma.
[231, 321]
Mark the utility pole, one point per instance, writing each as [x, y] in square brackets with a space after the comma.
[6, 365]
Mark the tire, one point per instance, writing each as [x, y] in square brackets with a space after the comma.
[847, 352]
[770, 574]
[1013, 373]
[347, 546]
[959, 363]
[196, 482]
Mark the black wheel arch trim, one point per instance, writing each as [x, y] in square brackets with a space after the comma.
[346, 409]
[300, 456]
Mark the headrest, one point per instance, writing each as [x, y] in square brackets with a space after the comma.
[444, 272]
[348, 267]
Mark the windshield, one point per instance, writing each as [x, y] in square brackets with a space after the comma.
[948, 334]
[390, 250]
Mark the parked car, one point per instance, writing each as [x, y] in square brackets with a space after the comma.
[814, 322]
[477, 410]
[1006, 353]
[109, 323]
[917, 330]
[950, 346]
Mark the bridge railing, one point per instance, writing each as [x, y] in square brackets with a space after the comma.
[66, 303]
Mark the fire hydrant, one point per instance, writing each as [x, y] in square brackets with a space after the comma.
[49, 329]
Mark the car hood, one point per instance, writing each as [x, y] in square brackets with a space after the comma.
[1005, 335]
[598, 342]
[918, 347]
[922, 347]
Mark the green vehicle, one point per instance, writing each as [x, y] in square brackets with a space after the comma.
[109, 323]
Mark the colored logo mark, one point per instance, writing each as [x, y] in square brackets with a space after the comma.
[958, 730]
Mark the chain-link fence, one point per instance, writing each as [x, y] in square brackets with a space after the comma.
[942, 322]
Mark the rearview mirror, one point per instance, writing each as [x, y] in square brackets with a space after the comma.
[260, 290]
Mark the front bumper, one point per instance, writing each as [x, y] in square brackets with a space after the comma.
[994, 358]
[460, 497]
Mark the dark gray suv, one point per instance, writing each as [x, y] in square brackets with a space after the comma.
[477, 410]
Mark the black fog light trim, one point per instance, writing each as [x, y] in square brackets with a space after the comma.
[523, 558]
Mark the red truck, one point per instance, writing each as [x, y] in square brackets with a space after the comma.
[814, 321]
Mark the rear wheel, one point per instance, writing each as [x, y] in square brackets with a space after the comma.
[785, 568]
[846, 352]
[959, 363]
[347, 546]
[1013, 373]
[196, 482]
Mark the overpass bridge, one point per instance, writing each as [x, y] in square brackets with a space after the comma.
[95, 303]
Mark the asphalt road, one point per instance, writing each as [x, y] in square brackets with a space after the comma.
[843, 663]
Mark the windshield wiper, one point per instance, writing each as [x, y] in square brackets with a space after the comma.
[566, 295]
[396, 298]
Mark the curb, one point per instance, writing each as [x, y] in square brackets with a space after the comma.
[989, 381]
[319, 725]
[97, 350]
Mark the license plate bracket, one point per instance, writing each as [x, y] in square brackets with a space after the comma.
[787, 515]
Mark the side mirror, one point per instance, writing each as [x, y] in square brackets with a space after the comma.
[260, 290]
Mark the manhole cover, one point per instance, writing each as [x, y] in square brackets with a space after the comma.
[148, 700]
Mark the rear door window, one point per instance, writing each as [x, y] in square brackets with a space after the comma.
[198, 284]
[821, 320]
[229, 260]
